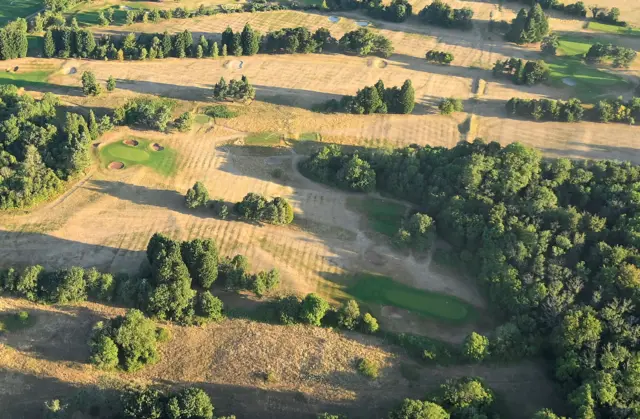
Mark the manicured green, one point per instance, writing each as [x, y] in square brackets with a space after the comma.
[309, 136]
[263, 138]
[13, 9]
[202, 119]
[163, 162]
[12, 322]
[617, 30]
[384, 217]
[382, 290]
[33, 79]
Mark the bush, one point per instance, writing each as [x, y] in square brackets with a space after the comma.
[621, 56]
[209, 307]
[220, 111]
[450, 105]
[369, 324]
[197, 196]
[100, 286]
[288, 309]
[191, 403]
[550, 44]
[368, 368]
[349, 315]
[476, 347]
[220, 209]
[313, 309]
[439, 57]
[264, 282]
[184, 122]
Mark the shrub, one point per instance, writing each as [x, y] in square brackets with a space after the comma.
[368, 368]
[197, 196]
[209, 307]
[369, 324]
[90, 86]
[264, 282]
[550, 44]
[439, 57]
[100, 286]
[184, 122]
[220, 209]
[104, 352]
[349, 315]
[220, 111]
[191, 403]
[450, 105]
[313, 309]
[288, 309]
[476, 347]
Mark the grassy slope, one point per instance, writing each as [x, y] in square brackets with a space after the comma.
[13, 9]
[161, 161]
[616, 30]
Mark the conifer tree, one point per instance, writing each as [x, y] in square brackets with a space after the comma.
[214, 50]
[49, 44]
[250, 40]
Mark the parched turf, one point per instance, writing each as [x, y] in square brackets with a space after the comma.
[163, 162]
[616, 30]
[13, 9]
[384, 217]
[384, 291]
[263, 138]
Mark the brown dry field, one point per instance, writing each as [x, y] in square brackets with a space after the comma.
[315, 370]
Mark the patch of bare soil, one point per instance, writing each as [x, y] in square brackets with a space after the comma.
[157, 147]
[116, 165]
[132, 143]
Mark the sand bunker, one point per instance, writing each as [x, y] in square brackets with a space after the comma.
[132, 143]
[73, 70]
[569, 81]
[363, 23]
[96, 145]
[157, 147]
[377, 63]
[116, 165]
[234, 64]
[334, 19]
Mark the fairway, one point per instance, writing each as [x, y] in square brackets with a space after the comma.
[13, 9]
[162, 161]
[385, 291]
[384, 217]
[263, 138]
[616, 30]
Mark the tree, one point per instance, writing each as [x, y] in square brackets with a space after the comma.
[111, 84]
[214, 50]
[406, 99]
[93, 126]
[313, 309]
[550, 44]
[235, 47]
[104, 352]
[288, 309]
[197, 196]
[250, 40]
[209, 307]
[201, 258]
[14, 41]
[416, 409]
[26, 285]
[450, 105]
[369, 324]
[184, 122]
[349, 315]
[476, 347]
[49, 44]
[90, 86]
[66, 286]
[190, 403]
[227, 40]
[529, 26]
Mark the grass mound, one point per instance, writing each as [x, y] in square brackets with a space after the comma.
[263, 138]
[385, 291]
[384, 217]
[16, 321]
[162, 160]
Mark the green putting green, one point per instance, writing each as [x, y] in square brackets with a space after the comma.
[263, 138]
[385, 291]
[163, 161]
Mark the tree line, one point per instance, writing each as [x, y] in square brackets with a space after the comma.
[14, 41]
[620, 56]
[374, 99]
[522, 71]
[554, 242]
[441, 14]
[578, 9]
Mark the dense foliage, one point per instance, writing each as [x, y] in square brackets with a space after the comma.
[150, 112]
[521, 71]
[609, 16]
[13, 40]
[450, 105]
[528, 26]
[374, 99]
[197, 196]
[617, 110]
[546, 109]
[441, 14]
[554, 242]
[578, 9]
[364, 42]
[396, 11]
[418, 232]
[620, 56]
[38, 149]
[257, 208]
[235, 90]
[439, 57]
[128, 342]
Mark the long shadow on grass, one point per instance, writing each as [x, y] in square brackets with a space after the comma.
[581, 150]
[167, 90]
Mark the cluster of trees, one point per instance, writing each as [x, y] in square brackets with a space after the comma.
[60, 5]
[134, 403]
[528, 26]
[38, 149]
[620, 56]
[609, 16]
[555, 243]
[151, 112]
[396, 11]
[374, 99]
[450, 105]
[364, 42]
[441, 14]
[127, 342]
[578, 9]
[14, 41]
[316, 311]
[439, 57]
[297, 40]
[253, 206]
[617, 110]
[234, 90]
[547, 109]
[521, 71]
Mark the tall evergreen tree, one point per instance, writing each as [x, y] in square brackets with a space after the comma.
[236, 45]
[227, 39]
[49, 44]
[167, 45]
[250, 40]
[214, 50]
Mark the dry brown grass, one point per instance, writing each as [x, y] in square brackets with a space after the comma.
[314, 368]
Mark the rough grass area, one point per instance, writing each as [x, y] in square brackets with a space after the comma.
[13, 9]
[384, 291]
[163, 161]
[616, 30]
[12, 322]
[263, 138]
[570, 66]
[384, 217]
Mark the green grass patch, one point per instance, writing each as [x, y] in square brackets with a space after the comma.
[384, 291]
[32, 79]
[13, 322]
[263, 138]
[163, 161]
[310, 136]
[220, 111]
[202, 119]
[616, 30]
[384, 217]
[13, 9]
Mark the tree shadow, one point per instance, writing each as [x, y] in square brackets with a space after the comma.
[172, 91]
